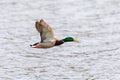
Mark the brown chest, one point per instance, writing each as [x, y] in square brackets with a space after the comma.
[59, 42]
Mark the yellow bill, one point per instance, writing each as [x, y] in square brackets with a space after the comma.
[75, 40]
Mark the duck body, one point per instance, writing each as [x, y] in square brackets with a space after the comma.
[47, 44]
[47, 36]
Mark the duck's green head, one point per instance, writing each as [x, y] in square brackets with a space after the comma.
[69, 39]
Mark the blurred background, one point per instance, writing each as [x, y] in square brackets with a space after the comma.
[95, 23]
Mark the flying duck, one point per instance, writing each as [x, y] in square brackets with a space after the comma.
[48, 39]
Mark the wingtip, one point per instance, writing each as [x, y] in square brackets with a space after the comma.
[41, 20]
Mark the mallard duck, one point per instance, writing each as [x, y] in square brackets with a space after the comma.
[47, 36]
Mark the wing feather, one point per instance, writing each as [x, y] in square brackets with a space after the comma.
[46, 32]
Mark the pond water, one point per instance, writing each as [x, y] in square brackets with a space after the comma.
[95, 23]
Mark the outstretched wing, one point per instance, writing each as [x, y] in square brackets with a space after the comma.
[46, 32]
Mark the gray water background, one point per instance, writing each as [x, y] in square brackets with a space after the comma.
[95, 23]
